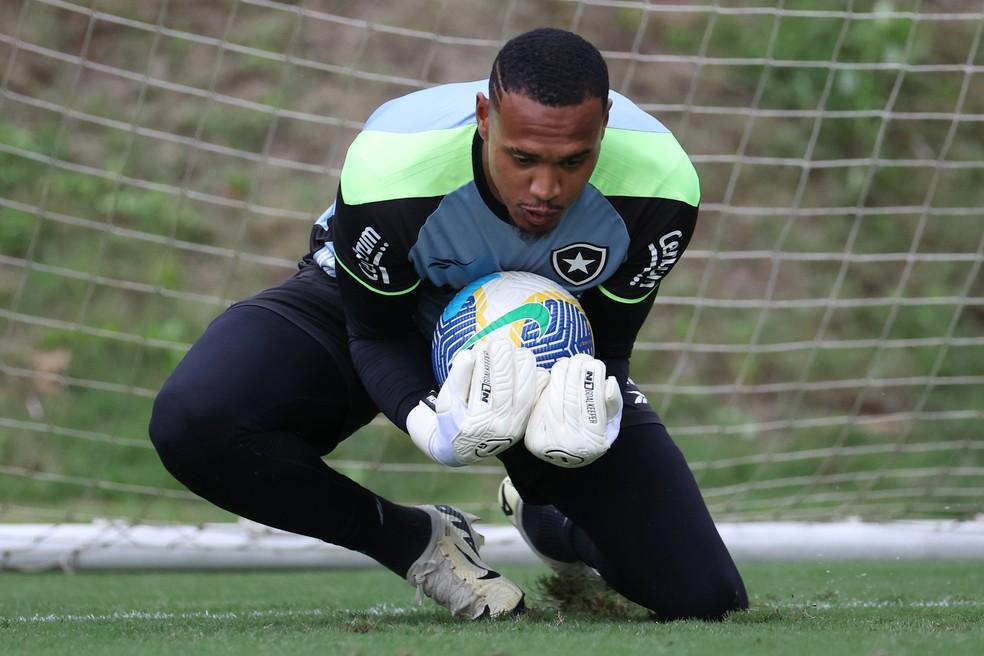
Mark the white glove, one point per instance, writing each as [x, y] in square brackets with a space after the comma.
[577, 417]
[483, 406]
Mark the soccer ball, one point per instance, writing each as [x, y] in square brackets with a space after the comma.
[532, 311]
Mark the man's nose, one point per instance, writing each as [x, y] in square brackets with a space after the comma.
[545, 184]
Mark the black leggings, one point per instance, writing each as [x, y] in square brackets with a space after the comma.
[653, 539]
[244, 419]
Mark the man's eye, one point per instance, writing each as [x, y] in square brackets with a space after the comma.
[573, 163]
[522, 160]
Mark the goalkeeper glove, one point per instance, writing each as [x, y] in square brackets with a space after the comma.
[577, 417]
[483, 406]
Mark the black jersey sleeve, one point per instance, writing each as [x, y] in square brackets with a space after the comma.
[659, 231]
[379, 289]
[372, 242]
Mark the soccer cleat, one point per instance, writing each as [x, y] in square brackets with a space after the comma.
[512, 506]
[451, 572]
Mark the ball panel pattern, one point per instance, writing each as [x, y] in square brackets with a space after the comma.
[532, 311]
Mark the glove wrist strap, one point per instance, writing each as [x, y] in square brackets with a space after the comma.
[422, 426]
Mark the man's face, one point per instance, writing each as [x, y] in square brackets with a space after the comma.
[536, 158]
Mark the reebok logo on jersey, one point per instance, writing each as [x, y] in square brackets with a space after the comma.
[661, 260]
[579, 263]
[445, 263]
[369, 251]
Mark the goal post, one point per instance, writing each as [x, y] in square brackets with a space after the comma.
[818, 354]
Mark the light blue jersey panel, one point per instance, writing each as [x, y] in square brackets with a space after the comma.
[626, 115]
[325, 256]
[437, 108]
[453, 105]
[463, 240]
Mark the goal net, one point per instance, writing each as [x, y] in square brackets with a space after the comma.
[818, 354]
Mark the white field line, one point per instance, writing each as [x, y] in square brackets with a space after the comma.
[381, 610]
[867, 603]
[387, 610]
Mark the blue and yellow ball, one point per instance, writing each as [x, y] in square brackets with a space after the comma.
[530, 310]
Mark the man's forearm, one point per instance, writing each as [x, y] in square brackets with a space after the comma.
[395, 372]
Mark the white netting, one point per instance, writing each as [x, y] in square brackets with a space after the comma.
[817, 353]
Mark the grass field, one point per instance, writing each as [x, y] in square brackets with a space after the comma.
[870, 608]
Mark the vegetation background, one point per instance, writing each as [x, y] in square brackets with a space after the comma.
[161, 159]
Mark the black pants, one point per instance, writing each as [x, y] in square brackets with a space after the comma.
[245, 417]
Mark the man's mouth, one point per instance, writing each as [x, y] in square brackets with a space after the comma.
[539, 216]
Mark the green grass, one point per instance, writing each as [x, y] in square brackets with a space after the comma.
[893, 608]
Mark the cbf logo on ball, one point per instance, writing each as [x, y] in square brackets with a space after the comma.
[530, 310]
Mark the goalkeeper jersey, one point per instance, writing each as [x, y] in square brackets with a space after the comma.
[421, 214]
[414, 221]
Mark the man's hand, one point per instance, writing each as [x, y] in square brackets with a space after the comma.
[483, 407]
[577, 417]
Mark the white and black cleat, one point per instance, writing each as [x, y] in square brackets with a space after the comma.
[451, 572]
[512, 507]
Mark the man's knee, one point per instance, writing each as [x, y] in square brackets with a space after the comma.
[180, 432]
[711, 596]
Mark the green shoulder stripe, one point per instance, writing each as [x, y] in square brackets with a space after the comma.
[373, 289]
[619, 299]
[645, 164]
[384, 166]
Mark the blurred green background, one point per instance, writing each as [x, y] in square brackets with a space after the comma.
[817, 354]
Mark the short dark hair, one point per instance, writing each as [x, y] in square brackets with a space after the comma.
[553, 67]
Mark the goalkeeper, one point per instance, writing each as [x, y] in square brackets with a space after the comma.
[540, 168]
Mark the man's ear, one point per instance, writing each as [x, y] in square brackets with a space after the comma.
[483, 107]
[604, 120]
